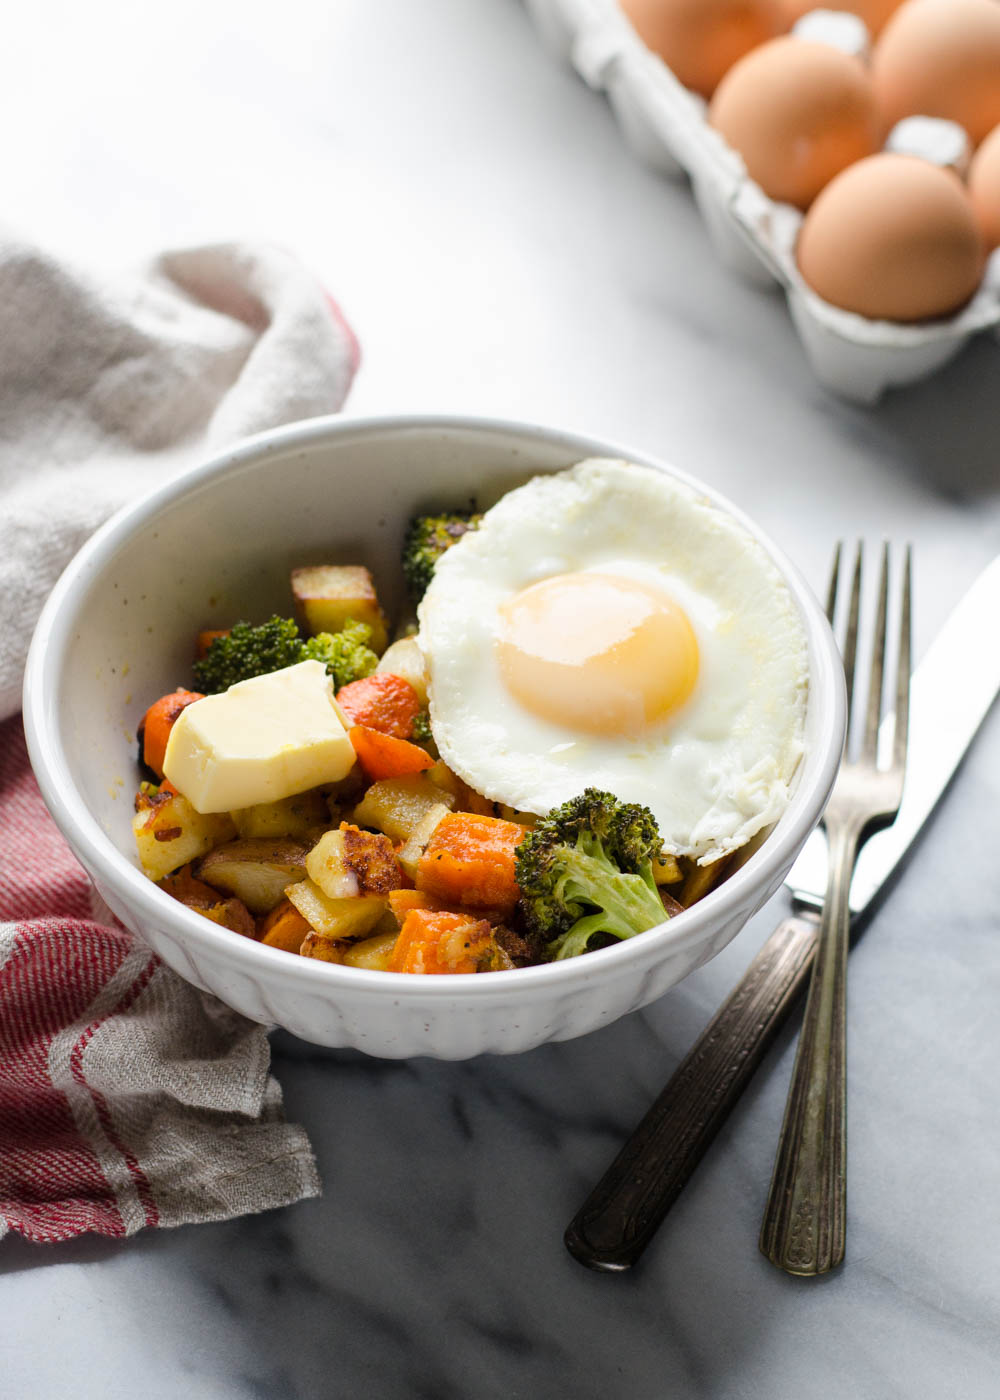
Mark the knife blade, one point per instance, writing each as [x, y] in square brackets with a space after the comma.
[950, 694]
[944, 716]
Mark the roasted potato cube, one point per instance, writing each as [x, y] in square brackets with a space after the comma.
[445, 778]
[350, 862]
[409, 856]
[404, 658]
[372, 953]
[466, 799]
[336, 918]
[169, 832]
[666, 870]
[397, 805]
[329, 595]
[292, 816]
[700, 879]
[256, 871]
[326, 865]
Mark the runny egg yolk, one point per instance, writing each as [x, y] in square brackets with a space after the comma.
[595, 653]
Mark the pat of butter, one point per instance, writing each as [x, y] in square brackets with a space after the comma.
[259, 741]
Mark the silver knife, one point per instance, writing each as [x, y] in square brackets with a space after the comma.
[948, 701]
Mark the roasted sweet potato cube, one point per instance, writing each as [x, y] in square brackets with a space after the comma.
[402, 901]
[284, 928]
[232, 914]
[324, 949]
[182, 886]
[469, 861]
[203, 899]
[327, 596]
[433, 941]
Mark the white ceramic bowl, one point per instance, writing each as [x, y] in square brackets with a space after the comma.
[218, 543]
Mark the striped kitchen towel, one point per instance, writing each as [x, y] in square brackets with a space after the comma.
[127, 1097]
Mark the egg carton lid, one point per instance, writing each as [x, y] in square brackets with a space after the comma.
[665, 125]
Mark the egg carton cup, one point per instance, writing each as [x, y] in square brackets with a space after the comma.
[664, 124]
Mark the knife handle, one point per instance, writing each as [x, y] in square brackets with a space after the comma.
[623, 1212]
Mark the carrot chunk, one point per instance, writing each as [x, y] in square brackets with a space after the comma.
[382, 701]
[434, 941]
[382, 756]
[469, 861]
[157, 723]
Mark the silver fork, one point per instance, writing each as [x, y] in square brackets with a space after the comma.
[804, 1225]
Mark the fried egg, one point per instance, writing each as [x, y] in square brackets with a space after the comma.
[607, 626]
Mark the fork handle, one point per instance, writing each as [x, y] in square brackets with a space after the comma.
[623, 1212]
[804, 1225]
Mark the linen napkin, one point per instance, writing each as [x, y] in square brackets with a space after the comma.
[127, 1097]
[108, 385]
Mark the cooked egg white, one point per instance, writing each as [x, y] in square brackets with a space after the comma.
[606, 626]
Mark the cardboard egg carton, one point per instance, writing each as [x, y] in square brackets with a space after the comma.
[664, 125]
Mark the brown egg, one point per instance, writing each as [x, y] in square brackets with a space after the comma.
[984, 188]
[700, 40]
[892, 238]
[873, 12]
[798, 112]
[941, 58]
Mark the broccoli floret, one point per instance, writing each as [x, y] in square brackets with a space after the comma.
[345, 654]
[256, 651]
[427, 538]
[587, 868]
[248, 651]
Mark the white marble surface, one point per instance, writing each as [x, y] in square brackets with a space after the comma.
[473, 209]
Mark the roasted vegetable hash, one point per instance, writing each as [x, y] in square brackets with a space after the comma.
[390, 862]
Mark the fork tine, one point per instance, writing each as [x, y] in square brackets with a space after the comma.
[869, 746]
[903, 672]
[831, 590]
[851, 636]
